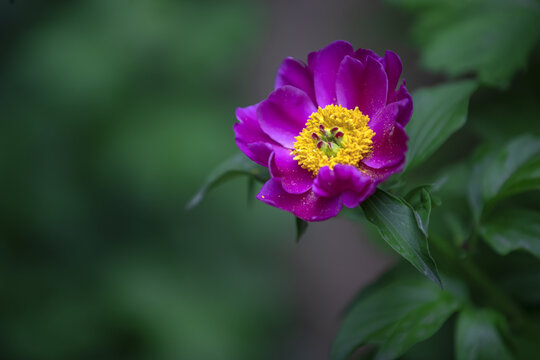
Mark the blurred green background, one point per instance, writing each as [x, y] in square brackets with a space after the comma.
[113, 112]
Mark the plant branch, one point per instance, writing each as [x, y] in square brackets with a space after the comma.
[477, 278]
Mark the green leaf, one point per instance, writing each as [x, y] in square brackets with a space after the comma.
[451, 221]
[493, 44]
[420, 200]
[511, 166]
[417, 325]
[396, 221]
[504, 171]
[489, 38]
[526, 178]
[235, 166]
[438, 112]
[400, 302]
[301, 227]
[478, 335]
[513, 229]
[490, 116]
[523, 284]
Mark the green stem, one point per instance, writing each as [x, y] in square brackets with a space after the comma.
[473, 241]
[497, 297]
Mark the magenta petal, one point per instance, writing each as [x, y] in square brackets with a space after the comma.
[392, 66]
[312, 56]
[295, 73]
[284, 114]
[384, 122]
[335, 75]
[326, 65]
[272, 168]
[380, 175]
[362, 55]
[294, 179]
[354, 185]
[405, 103]
[389, 141]
[259, 152]
[248, 130]
[307, 206]
[352, 199]
[350, 73]
[365, 86]
[259, 156]
[250, 138]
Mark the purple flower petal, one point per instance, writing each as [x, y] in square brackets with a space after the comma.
[393, 68]
[250, 138]
[294, 179]
[326, 65]
[272, 168]
[365, 86]
[350, 73]
[344, 179]
[259, 152]
[352, 199]
[312, 56]
[362, 55]
[389, 141]
[295, 73]
[335, 75]
[306, 206]
[404, 99]
[380, 175]
[284, 114]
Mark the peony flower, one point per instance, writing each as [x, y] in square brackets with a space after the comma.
[330, 132]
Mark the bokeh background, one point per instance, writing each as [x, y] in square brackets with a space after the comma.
[113, 113]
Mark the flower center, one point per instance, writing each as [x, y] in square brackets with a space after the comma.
[333, 135]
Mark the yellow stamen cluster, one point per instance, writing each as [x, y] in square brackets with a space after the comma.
[354, 145]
